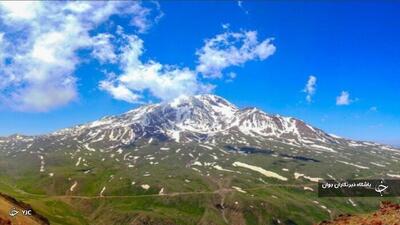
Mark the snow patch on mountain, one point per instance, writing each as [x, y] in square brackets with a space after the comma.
[260, 170]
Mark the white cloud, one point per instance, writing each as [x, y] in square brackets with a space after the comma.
[164, 82]
[240, 4]
[225, 26]
[310, 88]
[44, 96]
[2, 50]
[20, 10]
[231, 49]
[119, 92]
[40, 45]
[144, 17]
[41, 42]
[232, 75]
[103, 49]
[343, 98]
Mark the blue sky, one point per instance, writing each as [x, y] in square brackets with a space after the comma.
[351, 50]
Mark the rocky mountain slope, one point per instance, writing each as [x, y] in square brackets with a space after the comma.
[388, 213]
[202, 118]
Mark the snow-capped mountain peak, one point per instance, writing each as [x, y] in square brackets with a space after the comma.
[203, 114]
[200, 118]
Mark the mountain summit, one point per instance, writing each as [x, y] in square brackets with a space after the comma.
[203, 118]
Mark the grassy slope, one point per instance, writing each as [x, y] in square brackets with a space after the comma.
[257, 206]
[197, 200]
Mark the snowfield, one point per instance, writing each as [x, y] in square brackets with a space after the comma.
[260, 170]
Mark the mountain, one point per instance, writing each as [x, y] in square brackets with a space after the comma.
[193, 160]
[199, 118]
[202, 118]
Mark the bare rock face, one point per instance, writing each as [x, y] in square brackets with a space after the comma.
[4, 221]
[388, 214]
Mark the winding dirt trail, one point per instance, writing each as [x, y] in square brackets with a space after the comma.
[218, 191]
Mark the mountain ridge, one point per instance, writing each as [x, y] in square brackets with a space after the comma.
[202, 116]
